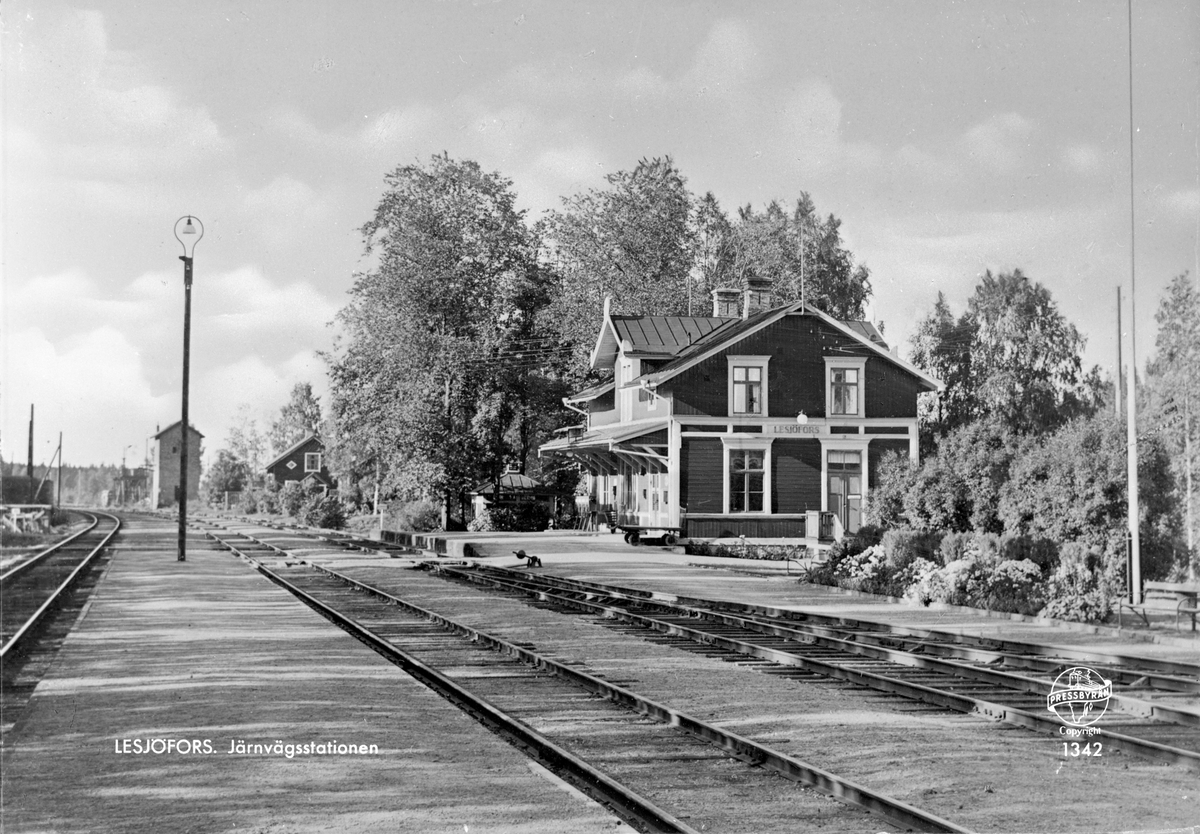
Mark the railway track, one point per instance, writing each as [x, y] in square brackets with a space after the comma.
[32, 590]
[40, 599]
[1153, 711]
[610, 742]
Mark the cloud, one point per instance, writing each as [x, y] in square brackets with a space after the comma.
[93, 115]
[1084, 159]
[1001, 142]
[92, 388]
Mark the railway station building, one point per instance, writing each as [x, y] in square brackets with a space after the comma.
[164, 488]
[762, 421]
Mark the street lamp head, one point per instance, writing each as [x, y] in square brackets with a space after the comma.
[188, 231]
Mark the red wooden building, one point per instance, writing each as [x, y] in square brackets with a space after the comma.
[769, 424]
[305, 461]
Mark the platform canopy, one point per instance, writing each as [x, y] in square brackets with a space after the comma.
[611, 450]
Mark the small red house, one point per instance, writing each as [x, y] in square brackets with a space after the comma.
[304, 462]
[769, 424]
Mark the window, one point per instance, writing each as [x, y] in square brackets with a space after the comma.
[747, 390]
[844, 393]
[746, 480]
[748, 385]
[312, 461]
[843, 383]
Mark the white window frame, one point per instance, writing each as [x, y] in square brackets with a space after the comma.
[752, 443]
[839, 363]
[308, 468]
[759, 362]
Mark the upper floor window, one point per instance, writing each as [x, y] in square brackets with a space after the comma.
[843, 383]
[844, 386]
[748, 385]
[312, 461]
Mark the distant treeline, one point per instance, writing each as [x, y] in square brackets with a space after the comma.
[82, 485]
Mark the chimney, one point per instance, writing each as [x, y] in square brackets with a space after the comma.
[758, 296]
[725, 302]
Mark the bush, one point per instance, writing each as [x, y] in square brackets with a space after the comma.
[268, 502]
[1078, 589]
[955, 547]
[903, 547]
[482, 522]
[832, 569]
[925, 583]
[1042, 552]
[248, 501]
[291, 498]
[1012, 586]
[524, 517]
[985, 549]
[420, 516]
[324, 511]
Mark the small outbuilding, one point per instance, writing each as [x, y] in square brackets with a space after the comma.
[303, 462]
[164, 489]
[515, 488]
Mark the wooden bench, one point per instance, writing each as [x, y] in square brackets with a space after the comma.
[1179, 597]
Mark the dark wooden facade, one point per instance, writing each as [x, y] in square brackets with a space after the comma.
[666, 447]
[305, 461]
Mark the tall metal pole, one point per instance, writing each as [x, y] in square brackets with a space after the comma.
[1119, 392]
[188, 231]
[183, 442]
[1135, 542]
[60, 469]
[29, 468]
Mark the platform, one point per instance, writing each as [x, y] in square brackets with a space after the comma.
[604, 557]
[208, 655]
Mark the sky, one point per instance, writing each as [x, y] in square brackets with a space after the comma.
[950, 138]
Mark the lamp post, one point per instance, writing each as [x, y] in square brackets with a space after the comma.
[188, 231]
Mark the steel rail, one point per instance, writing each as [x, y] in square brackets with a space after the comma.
[625, 803]
[741, 747]
[32, 622]
[1046, 657]
[830, 638]
[13, 573]
[914, 691]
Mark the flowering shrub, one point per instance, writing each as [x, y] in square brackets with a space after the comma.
[1078, 589]
[924, 582]
[1011, 586]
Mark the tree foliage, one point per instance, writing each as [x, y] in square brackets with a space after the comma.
[1012, 355]
[801, 253]
[298, 418]
[632, 240]
[1170, 399]
[441, 336]
[1071, 486]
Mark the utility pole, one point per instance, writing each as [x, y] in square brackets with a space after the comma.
[1135, 541]
[1119, 390]
[29, 468]
[60, 469]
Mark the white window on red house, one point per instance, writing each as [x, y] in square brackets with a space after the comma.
[747, 390]
[843, 384]
[312, 461]
[746, 480]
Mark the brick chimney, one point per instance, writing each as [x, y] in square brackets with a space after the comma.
[725, 302]
[758, 296]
